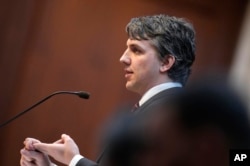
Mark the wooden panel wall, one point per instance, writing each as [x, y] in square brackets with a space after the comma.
[52, 45]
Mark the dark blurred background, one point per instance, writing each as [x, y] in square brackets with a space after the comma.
[51, 45]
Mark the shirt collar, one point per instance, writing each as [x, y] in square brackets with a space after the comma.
[157, 89]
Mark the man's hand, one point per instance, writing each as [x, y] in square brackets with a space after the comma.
[62, 150]
[31, 157]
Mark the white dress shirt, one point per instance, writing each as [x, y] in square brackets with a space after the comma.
[75, 160]
[157, 89]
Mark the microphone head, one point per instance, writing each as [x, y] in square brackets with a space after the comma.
[84, 95]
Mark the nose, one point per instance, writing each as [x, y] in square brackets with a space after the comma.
[125, 59]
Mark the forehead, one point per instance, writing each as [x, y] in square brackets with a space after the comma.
[140, 43]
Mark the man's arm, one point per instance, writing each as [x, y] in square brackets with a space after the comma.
[86, 162]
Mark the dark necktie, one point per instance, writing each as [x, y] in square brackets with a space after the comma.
[136, 106]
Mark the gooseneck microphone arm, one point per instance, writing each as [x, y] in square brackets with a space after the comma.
[81, 94]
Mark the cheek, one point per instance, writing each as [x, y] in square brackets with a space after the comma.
[142, 71]
[150, 68]
[146, 66]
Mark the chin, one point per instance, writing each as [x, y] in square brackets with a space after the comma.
[130, 87]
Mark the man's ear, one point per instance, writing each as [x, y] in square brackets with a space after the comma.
[167, 63]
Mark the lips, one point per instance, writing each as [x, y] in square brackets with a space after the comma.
[128, 73]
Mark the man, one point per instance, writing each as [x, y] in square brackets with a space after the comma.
[158, 59]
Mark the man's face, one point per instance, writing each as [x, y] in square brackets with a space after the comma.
[142, 66]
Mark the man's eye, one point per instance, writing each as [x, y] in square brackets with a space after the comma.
[136, 51]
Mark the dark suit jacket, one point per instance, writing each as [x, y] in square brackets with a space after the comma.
[158, 99]
[86, 162]
[149, 105]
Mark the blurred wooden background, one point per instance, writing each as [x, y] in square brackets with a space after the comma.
[51, 45]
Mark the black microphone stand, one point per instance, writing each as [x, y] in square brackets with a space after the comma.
[81, 94]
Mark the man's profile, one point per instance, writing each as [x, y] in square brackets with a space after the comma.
[157, 63]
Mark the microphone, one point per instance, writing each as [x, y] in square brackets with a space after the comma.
[81, 94]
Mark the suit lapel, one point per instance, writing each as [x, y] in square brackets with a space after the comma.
[164, 95]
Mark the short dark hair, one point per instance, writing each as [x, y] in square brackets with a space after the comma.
[171, 36]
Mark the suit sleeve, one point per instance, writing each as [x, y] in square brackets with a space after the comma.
[86, 162]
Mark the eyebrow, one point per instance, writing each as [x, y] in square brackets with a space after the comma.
[136, 46]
